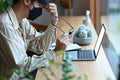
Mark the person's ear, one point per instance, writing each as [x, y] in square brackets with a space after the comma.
[27, 2]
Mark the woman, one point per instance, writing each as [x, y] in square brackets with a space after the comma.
[18, 36]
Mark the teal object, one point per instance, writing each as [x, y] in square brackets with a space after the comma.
[83, 36]
[89, 32]
[4, 4]
[82, 27]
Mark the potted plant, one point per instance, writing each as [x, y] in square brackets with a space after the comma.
[65, 69]
[4, 4]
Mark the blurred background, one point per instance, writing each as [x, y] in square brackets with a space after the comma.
[102, 11]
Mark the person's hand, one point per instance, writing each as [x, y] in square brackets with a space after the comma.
[61, 42]
[52, 10]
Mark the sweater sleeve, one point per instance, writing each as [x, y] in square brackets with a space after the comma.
[40, 43]
[13, 44]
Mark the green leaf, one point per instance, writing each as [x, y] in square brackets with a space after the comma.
[118, 25]
[60, 52]
[22, 73]
[68, 77]
[2, 78]
[85, 77]
[4, 4]
[51, 61]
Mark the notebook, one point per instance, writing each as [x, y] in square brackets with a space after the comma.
[87, 54]
[70, 46]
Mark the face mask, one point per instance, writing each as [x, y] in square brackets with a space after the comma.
[35, 13]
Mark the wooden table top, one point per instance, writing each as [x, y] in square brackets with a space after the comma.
[95, 70]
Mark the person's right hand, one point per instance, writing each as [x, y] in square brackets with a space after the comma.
[51, 8]
[61, 42]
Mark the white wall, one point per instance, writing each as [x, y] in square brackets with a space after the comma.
[79, 8]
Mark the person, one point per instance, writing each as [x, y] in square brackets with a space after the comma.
[18, 35]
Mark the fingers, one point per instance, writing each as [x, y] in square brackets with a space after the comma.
[62, 41]
[51, 8]
[64, 38]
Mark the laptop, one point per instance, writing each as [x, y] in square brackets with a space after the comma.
[87, 54]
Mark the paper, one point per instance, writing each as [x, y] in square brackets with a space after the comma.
[70, 46]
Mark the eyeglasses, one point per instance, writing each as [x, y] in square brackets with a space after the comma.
[70, 32]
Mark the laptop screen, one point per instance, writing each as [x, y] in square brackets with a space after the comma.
[99, 40]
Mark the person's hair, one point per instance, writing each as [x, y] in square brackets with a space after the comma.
[16, 1]
[33, 1]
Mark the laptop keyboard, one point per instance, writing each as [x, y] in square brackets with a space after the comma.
[83, 54]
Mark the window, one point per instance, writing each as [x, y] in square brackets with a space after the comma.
[110, 16]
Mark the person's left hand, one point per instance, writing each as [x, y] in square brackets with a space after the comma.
[52, 10]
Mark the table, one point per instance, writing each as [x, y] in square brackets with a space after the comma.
[94, 7]
[95, 70]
